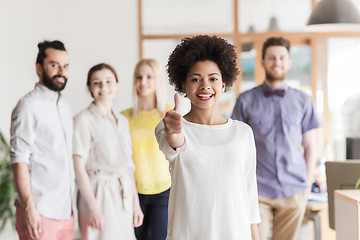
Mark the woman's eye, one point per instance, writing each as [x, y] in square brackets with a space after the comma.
[213, 79]
[195, 80]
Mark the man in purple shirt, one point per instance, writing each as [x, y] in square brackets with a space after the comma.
[284, 121]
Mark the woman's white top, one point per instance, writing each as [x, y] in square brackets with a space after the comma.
[106, 147]
[104, 144]
[214, 190]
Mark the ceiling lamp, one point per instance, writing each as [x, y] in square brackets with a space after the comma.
[273, 25]
[331, 12]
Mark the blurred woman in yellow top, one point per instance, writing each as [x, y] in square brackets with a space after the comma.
[152, 175]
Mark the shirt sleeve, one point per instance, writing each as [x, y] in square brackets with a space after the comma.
[310, 118]
[22, 133]
[169, 152]
[250, 172]
[128, 142]
[238, 111]
[82, 136]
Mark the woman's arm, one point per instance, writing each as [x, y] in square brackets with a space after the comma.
[138, 214]
[96, 218]
[254, 232]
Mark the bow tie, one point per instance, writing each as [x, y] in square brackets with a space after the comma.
[279, 92]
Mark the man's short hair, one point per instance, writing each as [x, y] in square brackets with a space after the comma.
[45, 45]
[275, 41]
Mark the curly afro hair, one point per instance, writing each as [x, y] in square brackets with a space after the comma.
[201, 48]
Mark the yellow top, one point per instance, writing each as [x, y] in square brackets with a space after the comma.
[151, 168]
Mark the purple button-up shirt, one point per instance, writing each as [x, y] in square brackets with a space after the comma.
[278, 124]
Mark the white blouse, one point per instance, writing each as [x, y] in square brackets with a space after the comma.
[104, 144]
[214, 191]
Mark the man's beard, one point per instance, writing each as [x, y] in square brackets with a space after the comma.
[51, 84]
[271, 78]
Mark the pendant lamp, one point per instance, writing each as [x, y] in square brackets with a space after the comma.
[334, 12]
[273, 25]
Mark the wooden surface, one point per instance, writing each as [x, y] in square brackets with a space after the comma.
[347, 214]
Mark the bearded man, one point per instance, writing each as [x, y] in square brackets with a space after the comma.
[283, 120]
[41, 151]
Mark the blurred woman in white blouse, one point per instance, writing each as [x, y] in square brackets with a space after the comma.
[107, 201]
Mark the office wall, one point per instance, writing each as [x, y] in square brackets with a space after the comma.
[93, 31]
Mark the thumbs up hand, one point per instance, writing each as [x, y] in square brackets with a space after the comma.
[177, 103]
[172, 122]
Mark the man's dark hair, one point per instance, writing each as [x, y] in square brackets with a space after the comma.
[275, 41]
[201, 48]
[45, 45]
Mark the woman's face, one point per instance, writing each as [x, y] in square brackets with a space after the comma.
[103, 85]
[204, 85]
[145, 82]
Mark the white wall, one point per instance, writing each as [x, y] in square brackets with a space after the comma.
[93, 31]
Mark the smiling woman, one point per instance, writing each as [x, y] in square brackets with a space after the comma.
[103, 165]
[152, 170]
[212, 158]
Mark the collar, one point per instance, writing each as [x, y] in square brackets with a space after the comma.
[269, 91]
[96, 111]
[47, 93]
[266, 87]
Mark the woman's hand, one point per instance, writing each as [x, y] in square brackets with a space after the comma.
[138, 215]
[172, 124]
[95, 218]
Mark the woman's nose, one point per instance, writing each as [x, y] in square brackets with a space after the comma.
[205, 85]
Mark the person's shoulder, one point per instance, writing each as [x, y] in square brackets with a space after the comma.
[298, 92]
[83, 115]
[300, 95]
[27, 103]
[250, 93]
[121, 117]
[240, 124]
[242, 127]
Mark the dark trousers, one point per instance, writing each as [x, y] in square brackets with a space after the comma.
[155, 209]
